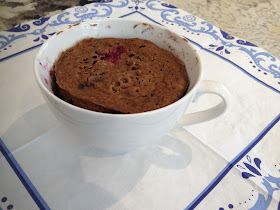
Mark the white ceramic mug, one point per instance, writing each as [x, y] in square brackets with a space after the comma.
[123, 132]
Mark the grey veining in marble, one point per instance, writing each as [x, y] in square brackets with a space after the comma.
[254, 20]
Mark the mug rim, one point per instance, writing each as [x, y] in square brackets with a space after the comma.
[91, 112]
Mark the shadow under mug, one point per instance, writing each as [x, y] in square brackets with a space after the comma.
[124, 132]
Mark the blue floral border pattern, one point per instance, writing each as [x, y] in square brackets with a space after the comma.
[258, 63]
[40, 29]
[251, 169]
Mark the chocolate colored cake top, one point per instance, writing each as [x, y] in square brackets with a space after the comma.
[119, 75]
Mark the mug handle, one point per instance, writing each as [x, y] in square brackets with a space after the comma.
[205, 87]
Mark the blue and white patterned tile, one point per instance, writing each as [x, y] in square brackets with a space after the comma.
[193, 28]
[252, 179]
[253, 60]
[34, 33]
[246, 186]
[252, 168]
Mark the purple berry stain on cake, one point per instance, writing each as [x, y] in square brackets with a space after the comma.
[114, 55]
